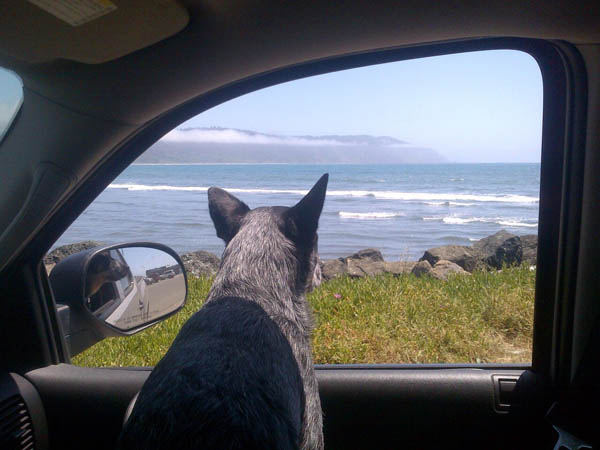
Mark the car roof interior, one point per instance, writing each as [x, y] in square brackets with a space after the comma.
[99, 94]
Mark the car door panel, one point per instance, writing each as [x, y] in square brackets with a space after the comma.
[364, 407]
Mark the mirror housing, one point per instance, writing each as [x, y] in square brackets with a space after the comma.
[116, 290]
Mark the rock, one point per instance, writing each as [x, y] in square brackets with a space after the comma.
[421, 268]
[529, 245]
[371, 254]
[332, 268]
[201, 263]
[501, 248]
[364, 267]
[495, 251]
[398, 267]
[368, 262]
[488, 245]
[60, 253]
[510, 253]
[443, 269]
[365, 263]
[463, 256]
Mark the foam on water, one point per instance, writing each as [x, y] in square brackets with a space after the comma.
[454, 220]
[369, 215]
[449, 204]
[449, 198]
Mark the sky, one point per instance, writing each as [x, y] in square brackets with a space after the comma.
[140, 259]
[471, 107]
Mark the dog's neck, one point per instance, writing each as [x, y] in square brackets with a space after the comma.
[259, 265]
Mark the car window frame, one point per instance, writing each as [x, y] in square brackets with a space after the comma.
[564, 91]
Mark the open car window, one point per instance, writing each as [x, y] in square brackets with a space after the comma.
[428, 237]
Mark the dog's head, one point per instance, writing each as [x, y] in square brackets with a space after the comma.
[102, 269]
[278, 226]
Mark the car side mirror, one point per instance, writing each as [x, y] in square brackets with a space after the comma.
[116, 290]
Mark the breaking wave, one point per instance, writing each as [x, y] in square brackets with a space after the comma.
[369, 215]
[507, 222]
[145, 187]
[449, 198]
[449, 204]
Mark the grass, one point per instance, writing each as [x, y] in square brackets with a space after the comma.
[485, 317]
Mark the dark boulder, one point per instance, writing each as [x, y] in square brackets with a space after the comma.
[529, 244]
[499, 249]
[201, 263]
[488, 245]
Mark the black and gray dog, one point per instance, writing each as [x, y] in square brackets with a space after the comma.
[240, 374]
[103, 268]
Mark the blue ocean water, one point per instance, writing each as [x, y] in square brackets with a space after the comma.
[400, 209]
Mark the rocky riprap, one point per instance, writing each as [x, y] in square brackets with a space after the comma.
[493, 252]
[367, 262]
[201, 263]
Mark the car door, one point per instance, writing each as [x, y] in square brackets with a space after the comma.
[365, 406]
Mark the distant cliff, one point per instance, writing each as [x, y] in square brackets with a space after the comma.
[227, 145]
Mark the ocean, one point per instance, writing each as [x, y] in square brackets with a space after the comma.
[401, 210]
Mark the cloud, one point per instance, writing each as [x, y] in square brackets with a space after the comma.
[230, 136]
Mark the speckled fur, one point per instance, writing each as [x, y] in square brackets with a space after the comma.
[262, 265]
[240, 373]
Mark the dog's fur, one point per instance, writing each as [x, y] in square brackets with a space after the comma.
[102, 269]
[240, 375]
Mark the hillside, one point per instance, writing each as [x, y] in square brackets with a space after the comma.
[226, 145]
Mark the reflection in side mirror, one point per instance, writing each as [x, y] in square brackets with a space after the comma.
[116, 290]
[129, 287]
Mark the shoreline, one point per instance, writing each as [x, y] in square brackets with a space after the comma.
[493, 252]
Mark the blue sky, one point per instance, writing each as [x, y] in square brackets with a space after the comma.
[141, 259]
[471, 107]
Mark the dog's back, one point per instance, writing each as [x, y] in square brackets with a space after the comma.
[230, 381]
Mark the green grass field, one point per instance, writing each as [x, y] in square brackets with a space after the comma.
[485, 317]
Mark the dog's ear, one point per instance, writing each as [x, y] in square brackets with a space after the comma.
[302, 220]
[226, 212]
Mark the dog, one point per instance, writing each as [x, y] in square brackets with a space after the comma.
[240, 373]
[102, 269]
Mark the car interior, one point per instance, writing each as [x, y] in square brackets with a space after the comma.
[104, 80]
